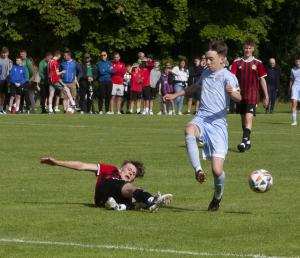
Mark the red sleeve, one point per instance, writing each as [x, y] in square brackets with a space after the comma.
[234, 67]
[261, 70]
[106, 169]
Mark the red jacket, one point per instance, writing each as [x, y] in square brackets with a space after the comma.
[146, 77]
[119, 72]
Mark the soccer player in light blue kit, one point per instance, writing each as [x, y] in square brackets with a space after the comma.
[295, 89]
[209, 125]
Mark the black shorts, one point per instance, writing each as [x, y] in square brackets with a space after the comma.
[244, 108]
[135, 95]
[146, 93]
[153, 93]
[14, 90]
[111, 188]
[3, 87]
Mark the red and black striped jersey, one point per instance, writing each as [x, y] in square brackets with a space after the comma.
[248, 74]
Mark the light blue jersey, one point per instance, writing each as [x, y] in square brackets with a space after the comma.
[213, 94]
[211, 117]
[295, 77]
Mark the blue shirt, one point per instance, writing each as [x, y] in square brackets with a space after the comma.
[105, 70]
[295, 76]
[213, 94]
[18, 74]
[70, 67]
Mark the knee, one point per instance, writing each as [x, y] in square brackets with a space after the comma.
[191, 129]
[217, 170]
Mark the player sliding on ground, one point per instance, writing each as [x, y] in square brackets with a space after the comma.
[114, 188]
[209, 124]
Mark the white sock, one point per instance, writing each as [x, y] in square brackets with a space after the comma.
[138, 110]
[150, 199]
[294, 117]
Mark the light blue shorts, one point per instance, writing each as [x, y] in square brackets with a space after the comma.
[295, 92]
[214, 136]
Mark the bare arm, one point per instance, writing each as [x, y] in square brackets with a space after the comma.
[234, 94]
[290, 86]
[189, 90]
[263, 85]
[77, 165]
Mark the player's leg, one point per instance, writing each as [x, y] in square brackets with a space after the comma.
[294, 112]
[217, 165]
[69, 95]
[247, 112]
[189, 105]
[192, 132]
[153, 203]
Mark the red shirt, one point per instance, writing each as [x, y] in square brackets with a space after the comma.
[248, 75]
[107, 171]
[149, 64]
[53, 67]
[136, 81]
[146, 77]
[119, 72]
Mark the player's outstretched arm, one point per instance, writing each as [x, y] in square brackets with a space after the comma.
[189, 90]
[77, 165]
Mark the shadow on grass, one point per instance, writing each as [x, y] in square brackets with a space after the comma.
[180, 209]
[239, 212]
[233, 150]
[275, 123]
[90, 205]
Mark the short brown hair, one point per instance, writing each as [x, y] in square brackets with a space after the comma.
[219, 46]
[249, 42]
[4, 50]
[140, 168]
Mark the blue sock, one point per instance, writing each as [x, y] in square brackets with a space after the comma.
[219, 185]
[193, 151]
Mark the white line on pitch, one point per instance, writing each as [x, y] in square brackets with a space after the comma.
[133, 248]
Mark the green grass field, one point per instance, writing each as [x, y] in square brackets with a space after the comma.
[50, 208]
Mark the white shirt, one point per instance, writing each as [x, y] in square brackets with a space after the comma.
[180, 74]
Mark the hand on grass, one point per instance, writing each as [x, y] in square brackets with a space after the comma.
[48, 160]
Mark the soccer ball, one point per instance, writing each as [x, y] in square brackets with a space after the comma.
[70, 111]
[260, 181]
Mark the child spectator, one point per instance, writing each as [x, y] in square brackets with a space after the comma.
[166, 87]
[155, 75]
[18, 79]
[146, 86]
[136, 88]
[127, 86]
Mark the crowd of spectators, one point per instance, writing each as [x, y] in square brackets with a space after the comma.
[59, 83]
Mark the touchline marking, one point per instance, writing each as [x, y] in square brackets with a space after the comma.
[133, 248]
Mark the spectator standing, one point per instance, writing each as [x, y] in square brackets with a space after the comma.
[69, 77]
[34, 86]
[195, 72]
[44, 81]
[295, 89]
[273, 83]
[118, 83]
[18, 80]
[181, 76]
[55, 81]
[136, 88]
[166, 87]
[155, 75]
[105, 70]
[5, 66]
[127, 86]
[251, 75]
[87, 79]
[27, 63]
[146, 86]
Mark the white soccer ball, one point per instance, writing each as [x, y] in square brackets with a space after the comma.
[70, 111]
[260, 181]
